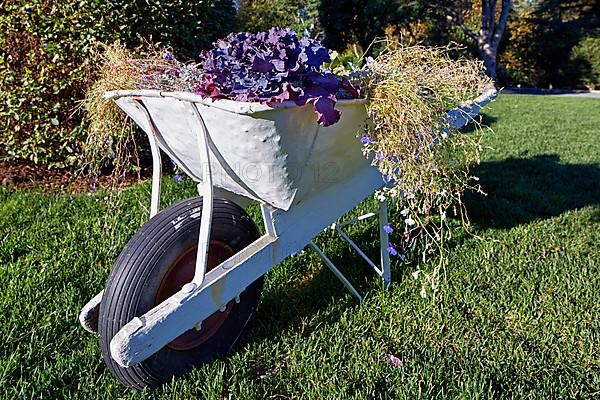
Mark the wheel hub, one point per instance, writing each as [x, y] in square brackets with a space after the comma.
[181, 272]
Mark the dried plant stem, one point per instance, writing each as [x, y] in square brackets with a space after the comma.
[410, 89]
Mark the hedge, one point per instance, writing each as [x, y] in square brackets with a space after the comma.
[47, 60]
[261, 15]
[585, 57]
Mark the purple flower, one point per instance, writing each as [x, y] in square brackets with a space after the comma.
[177, 177]
[388, 228]
[326, 113]
[167, 55]
[395, 361]
[94, 186]
[392, 249]
[272, 67]
[379, 156]
[388, 179]
[366, 139]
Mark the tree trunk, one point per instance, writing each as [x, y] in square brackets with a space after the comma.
[489, 55]
[490, 32]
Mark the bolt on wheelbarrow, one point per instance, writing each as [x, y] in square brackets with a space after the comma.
[187, 283]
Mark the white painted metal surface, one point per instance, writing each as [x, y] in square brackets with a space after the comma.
[278, 155]
[88, 316]
[290, 231]
[205, 190]
[222, 141]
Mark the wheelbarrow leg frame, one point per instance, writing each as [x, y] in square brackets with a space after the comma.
[384, 271]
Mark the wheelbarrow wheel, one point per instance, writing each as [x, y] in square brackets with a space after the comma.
[156, 263]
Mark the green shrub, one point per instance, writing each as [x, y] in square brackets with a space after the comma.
[48, 59]
[585, 57]
[261, 15]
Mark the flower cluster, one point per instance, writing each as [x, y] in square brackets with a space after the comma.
[424, 164]
[273, 67]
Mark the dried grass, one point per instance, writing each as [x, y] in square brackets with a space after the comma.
[410, 89]
[110, 148]
[111, 138]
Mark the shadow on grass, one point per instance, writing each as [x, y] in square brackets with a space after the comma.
[521, 190]
[284, 308]
[483, 119]
[290, 306]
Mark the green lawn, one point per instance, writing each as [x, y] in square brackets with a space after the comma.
[517, 316]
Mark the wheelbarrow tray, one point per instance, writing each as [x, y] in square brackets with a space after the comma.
[275, 154]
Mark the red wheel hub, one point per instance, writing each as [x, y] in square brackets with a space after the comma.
[182, 272]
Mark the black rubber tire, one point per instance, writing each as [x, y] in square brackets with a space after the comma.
[134, 281]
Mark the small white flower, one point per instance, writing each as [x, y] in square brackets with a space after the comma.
[415, 274]
[380, 197]
[443, 193]
[443, 215]
[409, 221]
[476, 178]
[423, 292]
[410, 196]
[404, 212]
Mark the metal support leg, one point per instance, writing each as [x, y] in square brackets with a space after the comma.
[385, 270]
[156, 162]
[336, 271]
[205, 189]
[156, 176]
[384, 241]
[358, 250]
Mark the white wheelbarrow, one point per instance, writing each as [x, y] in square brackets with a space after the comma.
[185, 286]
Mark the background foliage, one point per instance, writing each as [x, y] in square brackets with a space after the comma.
[261, 15]
[48, 58]
[346, 22]
[547, 43]
[541, 36]
[586, 56]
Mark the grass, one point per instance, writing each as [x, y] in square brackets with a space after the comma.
[518, 314]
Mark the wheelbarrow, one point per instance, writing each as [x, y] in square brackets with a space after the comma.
[186, 285]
